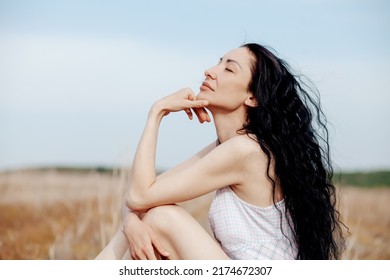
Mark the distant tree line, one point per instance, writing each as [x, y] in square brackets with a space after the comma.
[363, 179]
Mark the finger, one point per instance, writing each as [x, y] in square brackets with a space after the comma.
[208, 119]
[196, 103]
[137, 253]
[189, 113]
[158, 255]
[202, 115]
[199, 115]
[202, 103]
[141, 255]
[157, 244]
[135, 256]
[132, 253]
[161, 250]
[150, 255]
[190, 95]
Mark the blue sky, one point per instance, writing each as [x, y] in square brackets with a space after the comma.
[77, 77]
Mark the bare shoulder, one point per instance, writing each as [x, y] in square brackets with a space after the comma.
[243, 145]
[247, 149]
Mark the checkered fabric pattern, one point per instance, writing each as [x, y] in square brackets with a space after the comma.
[249, 232]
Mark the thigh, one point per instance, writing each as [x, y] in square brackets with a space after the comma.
[182, 235]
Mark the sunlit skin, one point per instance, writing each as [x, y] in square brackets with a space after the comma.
[223, 93]
[225, 87]
[226, 84]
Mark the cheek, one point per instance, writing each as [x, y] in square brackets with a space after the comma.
[229, 100]
[237, 91]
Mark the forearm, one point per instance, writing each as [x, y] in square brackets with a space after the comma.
[143, 172]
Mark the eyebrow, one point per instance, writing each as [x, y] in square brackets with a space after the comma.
[231, 60]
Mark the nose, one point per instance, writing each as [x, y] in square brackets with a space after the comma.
[210, 74]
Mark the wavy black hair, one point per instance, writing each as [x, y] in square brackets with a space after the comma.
[291, 129]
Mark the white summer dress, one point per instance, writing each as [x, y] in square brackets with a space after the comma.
[249, 232]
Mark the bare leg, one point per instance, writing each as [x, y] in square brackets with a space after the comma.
[182, 235]
[116, 249]
[179, 233]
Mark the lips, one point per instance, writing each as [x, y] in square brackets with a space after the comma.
[207, 85]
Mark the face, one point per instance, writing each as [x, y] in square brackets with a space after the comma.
[226, 85]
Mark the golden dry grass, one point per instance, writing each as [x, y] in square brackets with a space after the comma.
[366, 212]
[59, 215]
[52, 215]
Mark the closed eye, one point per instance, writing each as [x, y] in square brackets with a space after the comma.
[227, 69]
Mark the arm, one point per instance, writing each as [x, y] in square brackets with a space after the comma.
[189, 162]
[216, 169]
[135, 240]
[141, 240]
[143, 170]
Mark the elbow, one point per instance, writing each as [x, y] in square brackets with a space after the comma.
[135, 201]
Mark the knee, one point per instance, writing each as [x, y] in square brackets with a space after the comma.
[162, 218]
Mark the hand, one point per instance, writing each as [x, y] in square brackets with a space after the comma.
[143, 242]
[184, 100]
[201, 113]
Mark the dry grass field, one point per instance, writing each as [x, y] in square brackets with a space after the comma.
[72, 215]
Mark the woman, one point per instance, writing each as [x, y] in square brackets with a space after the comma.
[269, 167]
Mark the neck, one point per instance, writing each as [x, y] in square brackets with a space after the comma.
[228, 125]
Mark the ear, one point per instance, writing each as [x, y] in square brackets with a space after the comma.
[251, 101]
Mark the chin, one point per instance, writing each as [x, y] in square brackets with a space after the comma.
[202, 95]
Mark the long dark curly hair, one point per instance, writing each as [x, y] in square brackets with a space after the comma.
[291, 129]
